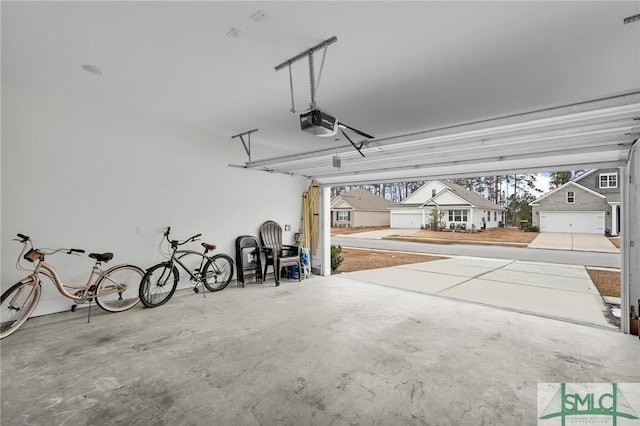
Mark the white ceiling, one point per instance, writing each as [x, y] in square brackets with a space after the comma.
[397, 67]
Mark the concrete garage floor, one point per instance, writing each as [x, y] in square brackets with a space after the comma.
[326, 351]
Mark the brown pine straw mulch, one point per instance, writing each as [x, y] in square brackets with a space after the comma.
[362, 259]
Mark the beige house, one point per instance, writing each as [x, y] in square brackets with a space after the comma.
[360, 208]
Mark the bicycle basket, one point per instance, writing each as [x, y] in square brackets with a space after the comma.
[32, 255]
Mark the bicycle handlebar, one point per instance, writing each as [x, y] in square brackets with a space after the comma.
[23, 238]
[188, 240]
[49, 252]
[34, 254]
[177, 242]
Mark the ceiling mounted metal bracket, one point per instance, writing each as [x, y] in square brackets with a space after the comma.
[631, 19]
[312, 79]
[246, 144]
[307, 52]
[357, 147]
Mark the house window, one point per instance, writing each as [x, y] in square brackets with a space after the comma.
[433, 192]
[457, 215]
[608, 180]
[571, 197]
[488, 216]
[495, 216]
[344, 215]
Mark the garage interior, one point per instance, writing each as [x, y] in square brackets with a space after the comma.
[118, 121]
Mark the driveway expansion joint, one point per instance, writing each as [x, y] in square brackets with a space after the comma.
[475, 277]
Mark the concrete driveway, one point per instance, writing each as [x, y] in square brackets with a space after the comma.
[557, 291]
[571, 241]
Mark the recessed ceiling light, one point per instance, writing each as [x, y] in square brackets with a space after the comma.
[259, 16]
[234, 32]
[93, 69]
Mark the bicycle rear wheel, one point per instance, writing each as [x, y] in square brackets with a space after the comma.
[117, 291]
[16, 304]
[218, 272]
[158, 284]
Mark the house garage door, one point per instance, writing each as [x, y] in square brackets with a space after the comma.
[579, 222]
[406, 220]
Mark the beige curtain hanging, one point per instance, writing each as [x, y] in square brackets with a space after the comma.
[311, 216]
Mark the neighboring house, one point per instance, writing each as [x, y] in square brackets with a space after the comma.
[588, 204]
[453, 203]
[360, 208]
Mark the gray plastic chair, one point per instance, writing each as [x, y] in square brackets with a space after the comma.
[277, 254]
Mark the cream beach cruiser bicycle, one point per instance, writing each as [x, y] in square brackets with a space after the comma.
[114, 289]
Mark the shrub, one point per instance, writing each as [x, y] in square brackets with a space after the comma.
[435, 220]
[336, 258]
[532, 228]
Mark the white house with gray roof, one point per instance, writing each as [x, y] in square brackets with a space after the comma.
[453, 203]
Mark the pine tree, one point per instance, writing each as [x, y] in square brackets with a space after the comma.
[560, 178]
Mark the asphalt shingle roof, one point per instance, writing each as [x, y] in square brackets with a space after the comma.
[361, 199]
[472, 197]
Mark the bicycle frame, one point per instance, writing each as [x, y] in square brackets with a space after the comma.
[88, 289]
[101, 285]
[178, 254]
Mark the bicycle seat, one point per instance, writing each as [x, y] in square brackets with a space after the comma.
[101, 257]
[209, 246]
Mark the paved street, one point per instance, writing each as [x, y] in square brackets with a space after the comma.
[608, 260]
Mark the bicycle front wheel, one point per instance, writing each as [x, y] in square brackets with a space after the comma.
[16, 304]
[117, 290]
[158, 284]
[218, 272]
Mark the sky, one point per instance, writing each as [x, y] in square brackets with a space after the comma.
[542, 181]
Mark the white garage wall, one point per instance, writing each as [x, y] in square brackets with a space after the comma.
[75, 175]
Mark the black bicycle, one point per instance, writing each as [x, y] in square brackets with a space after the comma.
[160, 281]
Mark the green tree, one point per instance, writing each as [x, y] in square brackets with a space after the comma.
[518, 207]
[436, 220]
[559, 178]
[524, 188]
